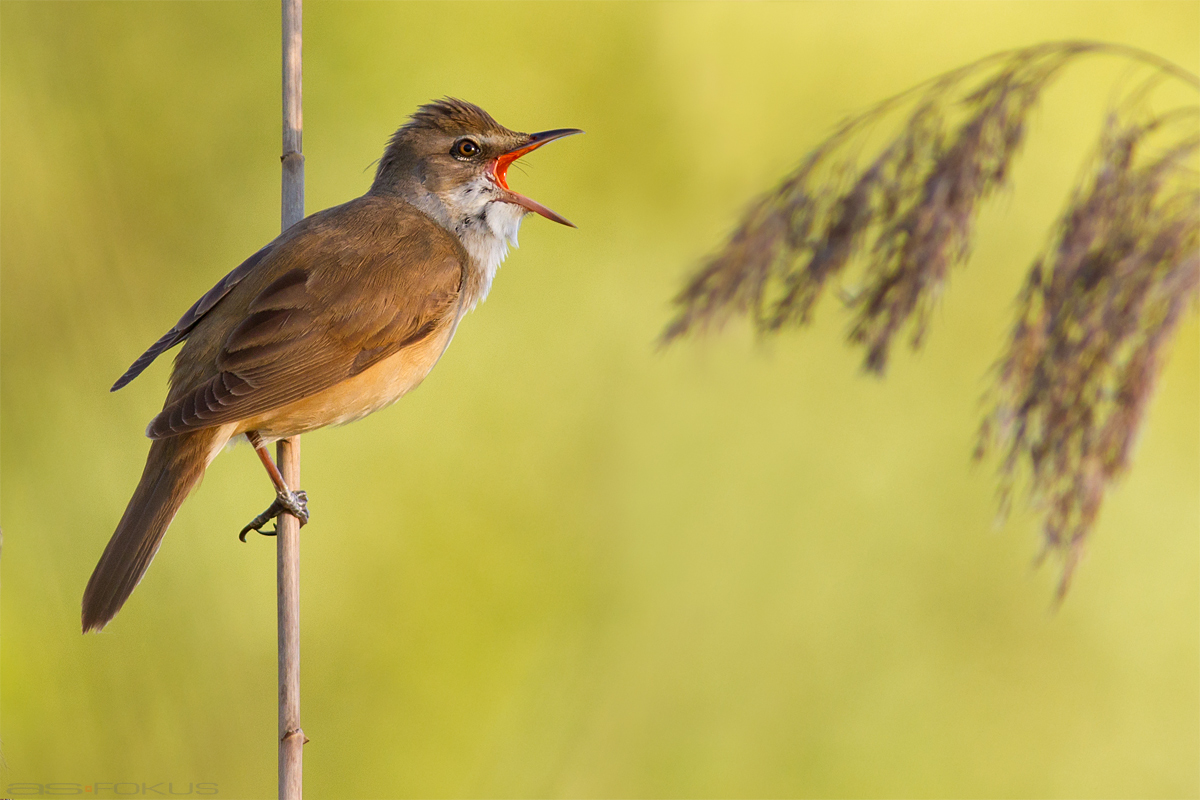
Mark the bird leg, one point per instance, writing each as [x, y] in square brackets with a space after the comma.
[286, 501]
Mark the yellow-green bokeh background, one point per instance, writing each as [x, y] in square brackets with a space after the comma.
[569, 565]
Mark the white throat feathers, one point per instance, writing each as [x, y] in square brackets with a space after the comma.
[484, 223]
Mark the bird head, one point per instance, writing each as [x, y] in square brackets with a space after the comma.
[451, 159]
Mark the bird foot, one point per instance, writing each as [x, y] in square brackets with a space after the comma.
[295, 504]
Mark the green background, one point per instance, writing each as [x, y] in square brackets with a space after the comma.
[570, 564]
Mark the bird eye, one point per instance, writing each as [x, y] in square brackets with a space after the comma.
[465, 148]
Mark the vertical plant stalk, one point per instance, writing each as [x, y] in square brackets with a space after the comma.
[291, 736]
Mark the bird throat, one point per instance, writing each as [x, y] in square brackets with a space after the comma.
[486, 226]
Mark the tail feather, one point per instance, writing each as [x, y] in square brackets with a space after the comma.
[173, 468]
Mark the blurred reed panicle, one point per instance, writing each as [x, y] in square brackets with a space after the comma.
[1099, 305]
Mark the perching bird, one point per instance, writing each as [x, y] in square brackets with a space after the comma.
[340, 316]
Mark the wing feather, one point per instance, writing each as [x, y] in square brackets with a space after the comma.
[192, 317]
[341, 310]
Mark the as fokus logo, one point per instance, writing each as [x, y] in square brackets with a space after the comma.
[113, 789]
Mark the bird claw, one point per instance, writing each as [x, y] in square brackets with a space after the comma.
[295, 504]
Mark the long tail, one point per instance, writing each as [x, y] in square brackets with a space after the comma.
[173, 468]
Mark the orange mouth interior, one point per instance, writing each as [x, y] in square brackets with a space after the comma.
[500, 171]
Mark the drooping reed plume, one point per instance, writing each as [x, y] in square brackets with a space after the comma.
[1098, 309]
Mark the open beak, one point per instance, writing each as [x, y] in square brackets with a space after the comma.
[499, 173]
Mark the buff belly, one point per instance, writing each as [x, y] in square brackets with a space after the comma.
[354, 398]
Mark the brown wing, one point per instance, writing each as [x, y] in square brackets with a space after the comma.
[193, 316]
[359, 284]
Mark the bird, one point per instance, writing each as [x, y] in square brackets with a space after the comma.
[338, 317]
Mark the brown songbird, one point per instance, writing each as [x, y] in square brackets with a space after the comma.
[340, 316]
